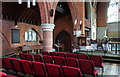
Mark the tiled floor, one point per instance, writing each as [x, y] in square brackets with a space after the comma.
[110, 70]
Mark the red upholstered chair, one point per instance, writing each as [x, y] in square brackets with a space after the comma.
[59, 60]
[71, 71]
[16, 65]
[10, 76]
[97, 59]
[53, 70]
[82, 56]
[53, 53]
[47, 59]
[7, 62]
[87, 67]
[61, 54]
[73, 62]
[39, 69]
[71, 55]
[2, 74]
[38, 58]
[45, 53]
[26, 65]
[22, 56]
[29, 57]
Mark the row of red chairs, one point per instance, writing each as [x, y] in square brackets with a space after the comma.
[49, 58]
[2, 74]
[39, 69]
[96, 58]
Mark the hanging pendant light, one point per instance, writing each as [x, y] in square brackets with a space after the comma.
[28, 3]
[34, 2]
[19, 1]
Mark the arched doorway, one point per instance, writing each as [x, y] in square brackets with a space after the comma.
[63, 26]
[64, 40]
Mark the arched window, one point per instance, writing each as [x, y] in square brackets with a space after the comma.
[30, 35]
[113, 11]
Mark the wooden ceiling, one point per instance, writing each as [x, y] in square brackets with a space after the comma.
[20, 12]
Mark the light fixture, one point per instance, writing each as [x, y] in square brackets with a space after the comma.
[28, 3]
[75, 21]
[19, 1]
[16, 26]
[34, 2]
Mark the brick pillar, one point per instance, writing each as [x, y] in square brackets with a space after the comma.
[48, 37]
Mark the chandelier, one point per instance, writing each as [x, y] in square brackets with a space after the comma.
[28, 3]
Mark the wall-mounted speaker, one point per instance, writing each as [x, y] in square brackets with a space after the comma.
[51, 12]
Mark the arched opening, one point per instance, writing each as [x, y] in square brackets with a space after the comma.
[64, 26]
[19, 17]
[65, 40]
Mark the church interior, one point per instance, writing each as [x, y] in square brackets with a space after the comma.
[53, 38]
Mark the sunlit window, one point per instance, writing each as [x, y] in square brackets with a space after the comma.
[113, 11]
[30, 35]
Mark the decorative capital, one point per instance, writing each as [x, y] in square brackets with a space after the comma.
[47, 27]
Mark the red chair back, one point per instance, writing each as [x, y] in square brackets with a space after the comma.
[59, 60]
[73, 62]
[22, 56]
[27, 68]
[82, 56]
[61, 54]
[71, 71]
[52, 53]
[39, 69]
[45, 53]
[53, 70]
[47, 59]
[97, 60]
[29, 57]
[38, 58]
[71, 55]
[7, 63]
[87, 67]
[16, 64]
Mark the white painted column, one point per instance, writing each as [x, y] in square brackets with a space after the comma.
[48, 37]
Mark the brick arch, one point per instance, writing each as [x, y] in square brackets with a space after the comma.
[43, 11]
[45, 8]
[73, 10]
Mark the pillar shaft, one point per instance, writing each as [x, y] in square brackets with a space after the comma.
[48, 37]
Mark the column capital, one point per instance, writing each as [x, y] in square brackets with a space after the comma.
[47, 27]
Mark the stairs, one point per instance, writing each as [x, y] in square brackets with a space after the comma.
[111, 59]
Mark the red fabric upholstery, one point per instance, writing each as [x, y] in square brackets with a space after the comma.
[71, 55]
[87, 67]
[45, 53]
[10, 76]
[53, 70]
[7, 63]
[71, 71]
[59, 60]
[29, 57]
[22, 56]
[52, 53]
[39, 69]
[73, 62]
[16, 64]
[97, 60]
[26, 65]
[2, 74]
[61, 54]
[38, 58]
[47, 59]
[82, 56]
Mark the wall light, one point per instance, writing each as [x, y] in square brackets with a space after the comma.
[19, 1]
[75, 21]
